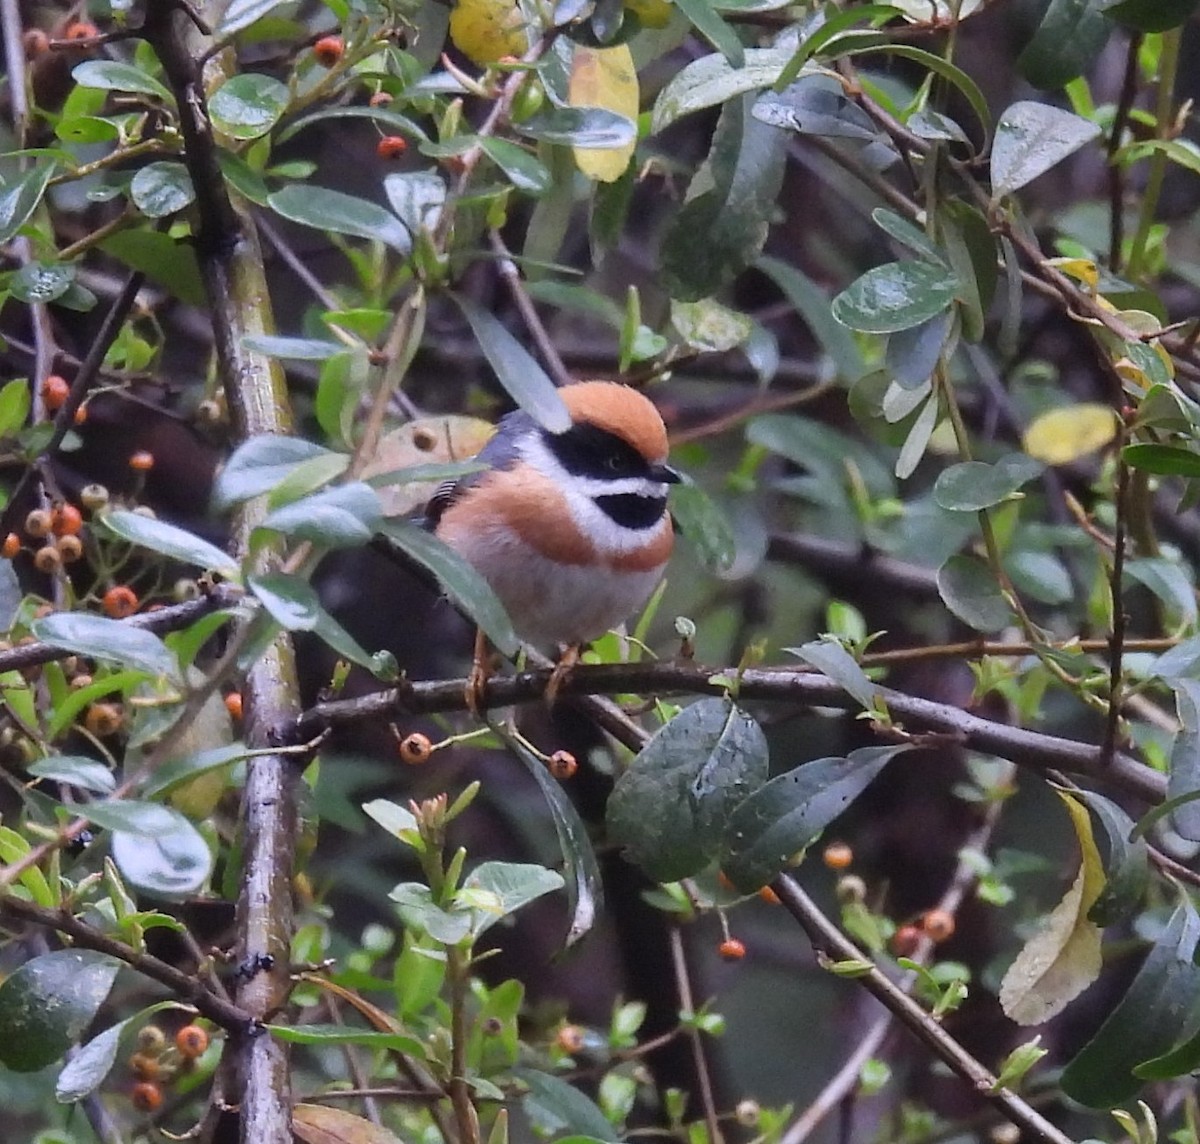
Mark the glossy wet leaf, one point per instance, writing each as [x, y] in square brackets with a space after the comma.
[1165, 460]
[704, 525]
[290, 600]
[1183, 777]
[416, 197]
[669, 808]
[168, 540]
[968, 587]
[458, 579]
[831, 659]
[523, 170]
[259, 465]
[170, 863]
[328, 210]
[46, 1003]
[895, 296]
[86, 1070]
[161, 189]
[242, 13]
[526, 382]
[579, 127]
[1149, 15]
[581, 870]
[77, 771]
[39, 282]
[248, 105]
[607, 78]
[702, 15]
[564, 1106]
[1145, 1023]
[1030, 139]
[713, 80]
[772, 826]
[344, 516]
[973, 485]
[512, 884]
[19, 197]
[110, 640]
[723, 224]
[111, 75]
[912, 355]
[1063, 957]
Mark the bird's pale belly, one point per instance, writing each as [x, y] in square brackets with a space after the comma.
[549, 602]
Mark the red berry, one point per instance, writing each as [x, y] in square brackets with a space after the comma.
[328, 50]
[146, 1097]
[563, 765]
[12, 545]
[233, 704]
[905, 941]
[391, 147]
[142, 461]
[66, 520]
[837, 856]
[937, 924]
[55, 391]
[81, 30]
[731, 949]
[120, 602]
[769, 896]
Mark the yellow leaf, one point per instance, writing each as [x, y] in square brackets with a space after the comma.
[1081, 269]
[425, 441]
[604, 77]
[1070, 432]
[1063, 958]
[488, 30]
[651, 13]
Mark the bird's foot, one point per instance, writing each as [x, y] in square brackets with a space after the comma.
[562, 669]
[477, 679]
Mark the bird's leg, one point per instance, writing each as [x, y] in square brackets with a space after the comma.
[566, 663]
[480, 673]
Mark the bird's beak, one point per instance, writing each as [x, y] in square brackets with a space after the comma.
[664, 474]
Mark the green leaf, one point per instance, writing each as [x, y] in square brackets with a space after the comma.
[110, 640]
[1183, 778]
[171, 864]
[387, 118]
[290, 600]
[816, 105]
[458, 579]
[1065, 44]
[110, 75]
[969, 589]
[15, 403]
[775, 823]
[1030, 139]
[328, 210]
[908, 234]
[513, 885]
[705, 526]
[417, 198]
[895, 296]
[86, 1070]
[168, 540]
[583, 881]
[137, 818]
[562, 1107]
[166, 261]
[161, 189]
[587, 127]
[404, 1043]
[344, 516]
[712, 80]
[708, 326]
[704, 19]
[1126, 862]
[1166, 460]
[973, 485]
[248, 105]
[1018, 1063]
[1149, 15]
[19, 197]
[293, 349]
[418, 910]
[524, 380]
[721, 228]
[1145, 1023]
[831, 659]
[523, 170]
[258, 465]
[77, 771]
[242, 13]
[1167, 580]
[669, 808]
[833, 23]
[812, 304]
[40, 282]
[47, 1002]
[912, 355]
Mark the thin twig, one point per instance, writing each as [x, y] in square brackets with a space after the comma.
[1116, 648]
[687, 1004]
[1116, 133]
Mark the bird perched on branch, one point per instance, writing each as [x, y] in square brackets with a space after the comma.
[570, 529]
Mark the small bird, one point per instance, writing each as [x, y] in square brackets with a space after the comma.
[570, 529]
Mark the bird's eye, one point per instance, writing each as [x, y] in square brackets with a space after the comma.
[613, 463]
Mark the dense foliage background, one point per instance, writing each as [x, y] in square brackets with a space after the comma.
[914, 286]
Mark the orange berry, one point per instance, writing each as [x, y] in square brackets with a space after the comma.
[12, 545]
[415, 749]
[47, 560]
[569, 1038]
[837, 856]
[731, 949]
[103, 719]
[724, 882]
[144, 1066]
[937, 924]
[769, 896]
[55, 391]
[81, 415]
[191, 1041]
[120, 602]
[146, 1097]
[65, 520]
[81, 30]
[35, 42]
[328, 50]
[233, 704]
[37, 523]
[142, 461]
[391, 147]
[563, 765]
[905, 941]
[380, 99]
[70, 548]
